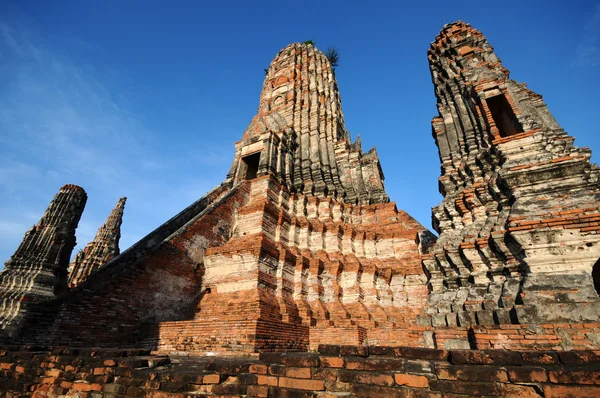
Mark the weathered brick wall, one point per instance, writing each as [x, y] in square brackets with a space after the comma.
[564, 336]
[262, 271]
[162, 283]
[332, 372]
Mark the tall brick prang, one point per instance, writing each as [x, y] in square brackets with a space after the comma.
[299, 135]
[37, 272]
[317, 250]
[99, 251]
[518, 225]
[299, 245]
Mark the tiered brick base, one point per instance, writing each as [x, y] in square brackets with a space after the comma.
[336, 371]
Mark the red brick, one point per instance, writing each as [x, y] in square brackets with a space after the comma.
[512, 390]
[541, 358]
[367, 378]
[258, 391]
[211, 379]
[572, 376]
[324, 374]
[301, 384]
[78, 386]
[53, 373]
[380, 364]
[259, 369]
[411, 380]
[558, 391]
[95, 387]
[444, 373]
[267, 380]
[332, 362]
[527, 374]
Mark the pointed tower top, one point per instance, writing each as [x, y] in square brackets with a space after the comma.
[299, 136]
[98, 252]
[37, 272]
[463, 53]
[71, 187]
[299, 77]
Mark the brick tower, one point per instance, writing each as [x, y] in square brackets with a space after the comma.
[99, 251]
[298, 134]
[299, 245]
[37, 272]
[519, 221]
[317, 251]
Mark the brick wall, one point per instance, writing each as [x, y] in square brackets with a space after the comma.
[158, 280]
[332, 372]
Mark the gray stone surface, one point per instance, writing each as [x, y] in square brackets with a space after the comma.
[37, 272]
[519, 220]
[98, 252]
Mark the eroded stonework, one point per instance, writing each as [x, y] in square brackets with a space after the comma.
[519, 221]
[98, 252]
[37, 272]
[300, 246]
[300, 135]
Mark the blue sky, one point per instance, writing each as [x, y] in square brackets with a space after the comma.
[145, 99]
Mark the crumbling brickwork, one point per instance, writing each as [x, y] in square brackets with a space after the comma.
[333, 371]
[314, 266]
[300, 247]
[300, 136]
[519, 221]
[98, 252]
[156, 280]
[37, 272]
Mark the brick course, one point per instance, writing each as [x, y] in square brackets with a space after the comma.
[49, 372]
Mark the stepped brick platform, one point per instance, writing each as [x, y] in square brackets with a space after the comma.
[333, 371]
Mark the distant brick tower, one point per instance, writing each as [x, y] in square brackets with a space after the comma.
[519, 223]
[37, 272]
[99, 251]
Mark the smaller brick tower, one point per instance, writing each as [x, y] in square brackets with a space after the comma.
[98, 252]
[518, 225]
[37, 272]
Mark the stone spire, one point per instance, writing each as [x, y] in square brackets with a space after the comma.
[299, 135]
[517, 233]
[37, 272]
[98, 252]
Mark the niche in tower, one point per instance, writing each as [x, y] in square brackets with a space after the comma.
[596, 276]
[250, 168]
[503, 116]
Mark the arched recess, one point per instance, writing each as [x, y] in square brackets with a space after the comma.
[596, 276]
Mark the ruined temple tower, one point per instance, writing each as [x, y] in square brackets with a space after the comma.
[300, 245]
[298, 134]
[317, 250]
[519, 223]
[99, 251]
[37, 272]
